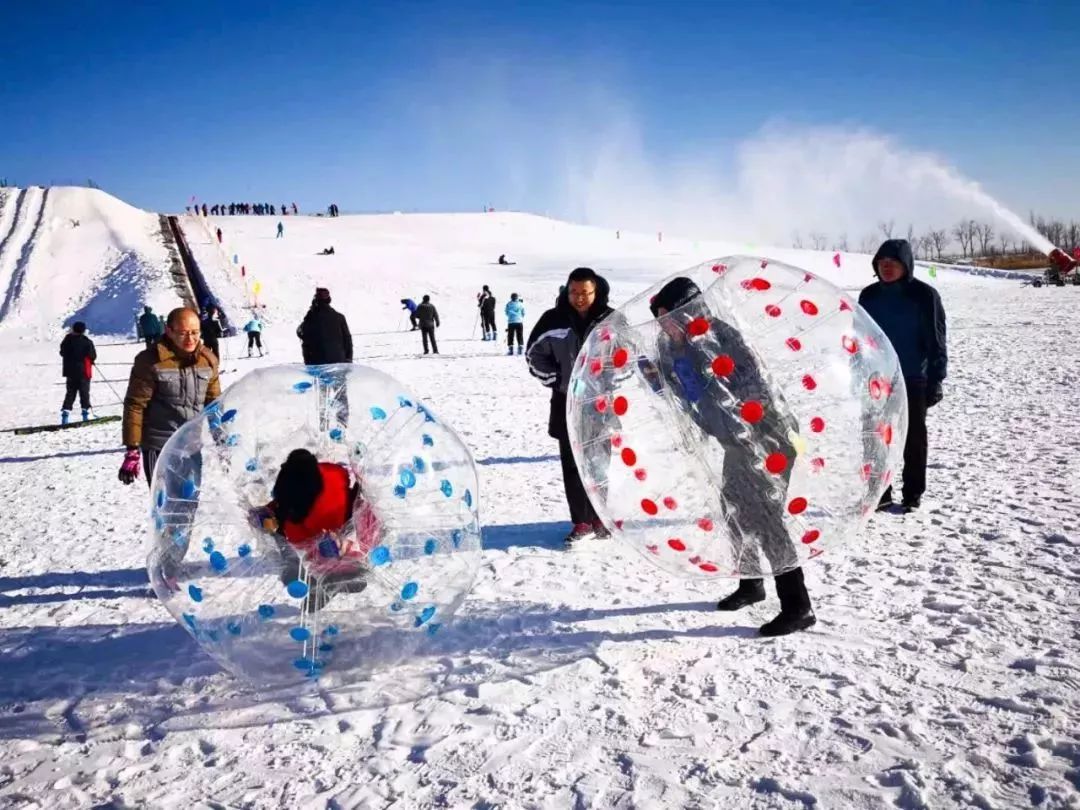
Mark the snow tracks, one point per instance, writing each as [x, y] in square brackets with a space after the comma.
[20, 230]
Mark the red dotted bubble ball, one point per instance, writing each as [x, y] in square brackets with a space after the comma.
[763, 396]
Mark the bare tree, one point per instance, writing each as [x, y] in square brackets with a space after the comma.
[887, 228]
[841, 244]
[869, 243]
[986, 237]
[940, 240]
[1003, 240]
[819, 240]
[796, 241]
[960, 231]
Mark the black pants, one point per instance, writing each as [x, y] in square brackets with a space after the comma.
[412, 319]
[916, 447]
[212, 345]
[150, 341]
[428, 333]
[517, 329]
[80, 386]
[488, 319]
[581, 508]
[254, 339]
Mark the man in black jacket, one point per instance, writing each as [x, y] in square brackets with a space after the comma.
[910, 314]
[79, 354]
[324, 334]
[752, 498]
[428, 318]
[551, 350]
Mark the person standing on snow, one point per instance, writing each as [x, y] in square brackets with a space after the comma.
[219, 235]
[428, 318]
[515, 319]
[324, 334]
[254, 334]
[551, 350]
[150, 326]
[280, 230]
[170, 383]
[486, 301]
[410, 305]
[79, 354]
[911, 315]
[212, 331]
[754, 499]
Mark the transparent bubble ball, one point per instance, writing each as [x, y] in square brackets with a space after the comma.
[351, 601]
[744, 432]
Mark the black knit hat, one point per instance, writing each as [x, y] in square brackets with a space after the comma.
[676, 293]
[322, 295]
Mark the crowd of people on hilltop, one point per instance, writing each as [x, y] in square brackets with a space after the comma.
[239, 209]
[177, 374]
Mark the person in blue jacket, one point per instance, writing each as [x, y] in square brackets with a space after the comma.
[254, 333]
[409, 304]
[515, 317]
[911, 315]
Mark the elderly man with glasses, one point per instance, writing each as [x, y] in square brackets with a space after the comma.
[170, 383]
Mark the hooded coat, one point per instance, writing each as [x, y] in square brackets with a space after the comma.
[911, 315]
[78, 355]
[554, 344]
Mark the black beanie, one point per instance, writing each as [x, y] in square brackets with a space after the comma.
[676, 293]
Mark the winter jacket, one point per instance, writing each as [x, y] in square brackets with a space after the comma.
[78, 355]
[910, 314]
[166, 389]
[325, 336]
[487, 303]
[331, 510]
[515, 312]
[409, 304]
[150, 325]
[427, 316]
[554, 344]
[254, 325]
[686, 369]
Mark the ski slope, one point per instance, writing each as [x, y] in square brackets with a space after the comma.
[944, 670]
[70, 254]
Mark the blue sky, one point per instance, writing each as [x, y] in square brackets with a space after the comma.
[451, 106]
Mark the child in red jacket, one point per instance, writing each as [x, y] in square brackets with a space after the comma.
[313, 505]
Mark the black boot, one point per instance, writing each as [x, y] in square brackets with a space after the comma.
[749, 592]
[912, 502]
[795, 610]
[886, 500]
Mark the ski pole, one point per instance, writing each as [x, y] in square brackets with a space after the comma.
[106, 381]
[475, 324]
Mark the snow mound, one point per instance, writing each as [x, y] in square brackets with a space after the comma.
[70, 254]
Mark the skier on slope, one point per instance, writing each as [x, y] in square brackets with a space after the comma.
[551, 350]
[219, 235]
[755, 498]
[280, 230]
[410, 305]
[486, 301]
[79, 354]
[254, 328]
[515, 320]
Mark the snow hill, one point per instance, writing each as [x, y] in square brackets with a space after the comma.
[69, 254]
[944, 671]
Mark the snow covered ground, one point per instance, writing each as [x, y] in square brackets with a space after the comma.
[944, 671]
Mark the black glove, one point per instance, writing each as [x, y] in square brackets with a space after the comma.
[933, 394]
